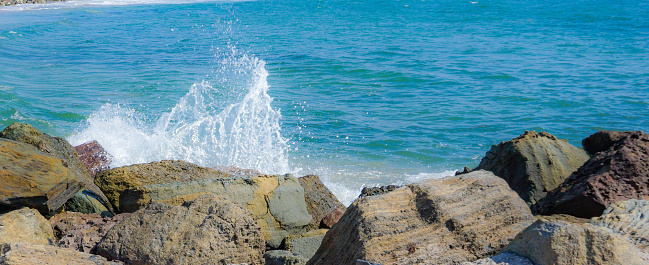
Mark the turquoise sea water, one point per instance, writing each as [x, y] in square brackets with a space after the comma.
[366, 92]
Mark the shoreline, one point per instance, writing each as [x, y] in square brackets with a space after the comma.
[20, 2]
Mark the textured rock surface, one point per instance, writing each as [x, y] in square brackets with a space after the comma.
[25, 253]
[438, 221]
[618, 174]
[562, 242]
[602, 141]
[534, 163]
[276, 202]
[81, 232]
[86, 201]
[25, 225]
[629, 219]
[54, 146]
[114, 181]
[305, 244]
[501, 259]
[34, 179]
[319, 199]
[332, 218]
[283, 257]
[94, 157]
[367, 191]
[207, 230]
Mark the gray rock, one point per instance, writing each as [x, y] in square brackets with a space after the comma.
[630, 219]
[86, 201]
[501, 259]
[283, 257]
[305, 244]
[562, 242]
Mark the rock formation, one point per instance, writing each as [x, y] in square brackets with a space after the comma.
[630, 219]
[305, 244]
[602, 141]
[534, 163]
[94, 157]
[437, 221]
[319, 200]
[80, 231]
[34, 179]
[276, 202]
[57, 147]
[25, 253]
[114, 181]
[561, 242]
[617, 174]
[207, 230]
[25, 225]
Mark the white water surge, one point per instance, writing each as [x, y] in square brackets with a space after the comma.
[200, 128]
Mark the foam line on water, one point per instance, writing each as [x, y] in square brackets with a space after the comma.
[90, 3]
[200, 128]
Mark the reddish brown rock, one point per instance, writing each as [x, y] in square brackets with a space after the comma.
[618, 174]
[332, 218]
[93, 155]
[602, 141]
[319, 199]
[82, 232]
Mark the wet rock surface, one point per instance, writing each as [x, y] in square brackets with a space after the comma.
[618, 174]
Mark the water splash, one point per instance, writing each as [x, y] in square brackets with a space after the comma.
[210, 126]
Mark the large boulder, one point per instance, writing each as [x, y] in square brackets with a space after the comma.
[319, 199]
[207, 230]
[438, 221]
[534, 163]
[57, 147]
[628, 219]
[114, 181]
[602, 141]
[550, 241]
[25, 225]
[276, 202]
[34, 179]
[618, 174]
[26, 253]
[94, 157]
[80, 231]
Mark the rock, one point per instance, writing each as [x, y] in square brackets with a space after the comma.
[33, 179]
[238, 172]
[54, 146]
[365, 262]
[94, 157]
[628, 219]
[25, 253]
[438, 221]
[501, 259]
[305, 244]
[332, 218]
[618, 174]
[366, 192]
[25, 225]
[114, 181]
[81, 232]
[283, 257]
[319, 199]
[534, 163]
[86, 201]
[562, 242]
[207, 230]
[602, 141]
[276, 202]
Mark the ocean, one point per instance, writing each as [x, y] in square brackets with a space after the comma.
[361, 93]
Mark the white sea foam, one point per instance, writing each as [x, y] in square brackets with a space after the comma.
[200, 128]
[90, 3]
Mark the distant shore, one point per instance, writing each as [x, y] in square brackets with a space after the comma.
[17, 2]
